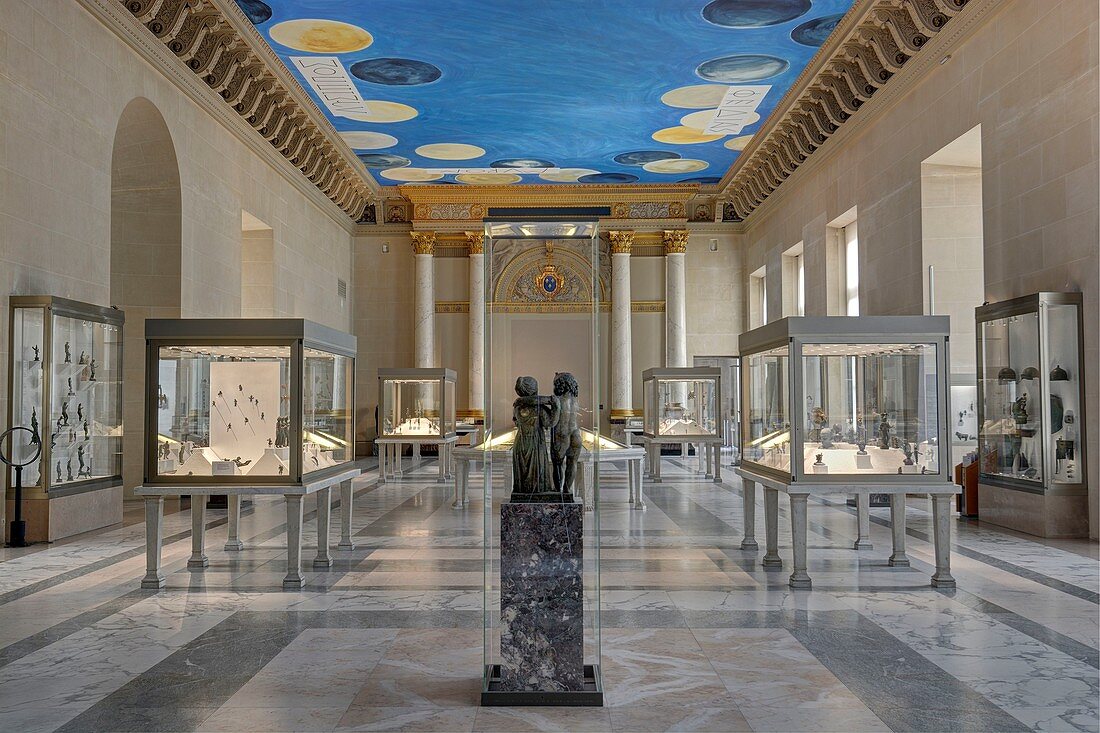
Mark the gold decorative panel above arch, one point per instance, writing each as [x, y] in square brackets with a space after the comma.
[553, 275]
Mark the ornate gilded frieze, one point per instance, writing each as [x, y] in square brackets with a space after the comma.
[648, 210]
[867, 53]
[423, 243]
[207, 42]
[449, 212]
[463, 306]
[675, 241]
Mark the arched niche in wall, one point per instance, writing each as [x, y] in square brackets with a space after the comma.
[146, 264]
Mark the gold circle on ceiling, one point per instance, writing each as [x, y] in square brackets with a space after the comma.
[696, 96]
[450, 151]
[683, 136]
[316, 35]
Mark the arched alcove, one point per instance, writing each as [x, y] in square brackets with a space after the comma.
[146, 234]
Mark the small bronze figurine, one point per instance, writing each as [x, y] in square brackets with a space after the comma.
[64, 413]
[85, 430]
[35, 348]
[68, 354]
[79, 411]
[57, 468]
[83, 357]
[91, 366]
[71, 393]
[35, 440]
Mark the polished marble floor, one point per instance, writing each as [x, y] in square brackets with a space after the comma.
[696, 635]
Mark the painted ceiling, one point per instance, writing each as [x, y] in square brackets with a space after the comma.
[552, 91]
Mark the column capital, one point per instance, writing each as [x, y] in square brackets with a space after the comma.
[621, 241]
[675, 241]
[423, 243]
[475, 242]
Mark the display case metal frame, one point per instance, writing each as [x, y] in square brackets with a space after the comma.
[298, 334]
[53, 306]
[795, 331]
[731, 390]
[1035, 303]
[792, 333]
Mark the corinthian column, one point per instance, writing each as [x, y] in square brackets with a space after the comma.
[475, 241]
[622, 392]
[675, 298]
[424, 300]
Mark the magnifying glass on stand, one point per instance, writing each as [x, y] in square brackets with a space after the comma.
[18, 526]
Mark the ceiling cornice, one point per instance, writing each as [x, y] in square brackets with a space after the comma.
[876, 51]
[211, 51]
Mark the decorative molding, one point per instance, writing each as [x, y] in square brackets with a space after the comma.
[621, 241]
[463, 306]
[502, 306]
[449, 212]
[475, 242]
[211, 43]
[676, 241]
[648, 210]
[623, 414]
[873, 43]
[423, 243]
[117, 18]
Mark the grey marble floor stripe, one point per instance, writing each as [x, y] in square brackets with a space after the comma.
[189, 685]
[417, 508]
[1034, 629]
[44, 638]
[1055, 583]
[904, 689]
[690, 516]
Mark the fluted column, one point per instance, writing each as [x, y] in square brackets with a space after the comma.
[675, 298]
[475, 241]
[424, 300]
[622, 391]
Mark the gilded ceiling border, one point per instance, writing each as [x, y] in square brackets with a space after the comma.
[872, 45]
[216, 43]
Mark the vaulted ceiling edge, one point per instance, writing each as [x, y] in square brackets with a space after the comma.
[214, 44]
[881, 37]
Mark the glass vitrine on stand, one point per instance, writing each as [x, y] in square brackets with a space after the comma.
[416, 407]
[235, 400]
[839, 405]
[542, 402]
[1031, 421]
[683, 407]
[65, 384]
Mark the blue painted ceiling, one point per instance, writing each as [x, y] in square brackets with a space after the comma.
[588, 91]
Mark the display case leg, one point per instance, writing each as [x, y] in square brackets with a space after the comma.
[462, 477]
[347, 502]
[748, 496]
[655, 474]
[708, 460]
[800, 579]
[198, 559]
[233, 541]
[717, 463]
[636, 481]
[154, 541]
[293, 579]
[324, 522]
[863, 523]
[398, 460]
[897, 528]
[941, 527]
[442, 460]
[771, 529]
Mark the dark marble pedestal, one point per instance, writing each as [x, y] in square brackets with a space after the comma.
[541, 597]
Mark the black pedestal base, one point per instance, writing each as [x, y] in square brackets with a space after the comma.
[590, 696]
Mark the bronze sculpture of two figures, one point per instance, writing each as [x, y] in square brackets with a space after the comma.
[548, 440]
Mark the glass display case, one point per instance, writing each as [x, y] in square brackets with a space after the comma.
[416, 403]
[66, 385]
[540, 462]
[246, 399]
[1031, 433]
[730, 388]
[682, 403]
[828, 399]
